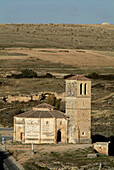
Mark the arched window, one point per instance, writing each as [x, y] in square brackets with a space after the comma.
[85, 88]
[81, 89]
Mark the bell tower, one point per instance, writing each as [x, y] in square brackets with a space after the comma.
[78, 108]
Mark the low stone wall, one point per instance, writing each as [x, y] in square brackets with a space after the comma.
[33, 97]
[10, 99]
[102, 147]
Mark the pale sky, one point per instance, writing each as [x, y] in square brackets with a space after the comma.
[57, 11]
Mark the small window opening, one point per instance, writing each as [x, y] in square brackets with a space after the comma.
[60, 122]
[85, 88]
[81, 89]
[83, 133]
[46, 122]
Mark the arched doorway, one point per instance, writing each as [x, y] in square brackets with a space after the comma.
[58, 136]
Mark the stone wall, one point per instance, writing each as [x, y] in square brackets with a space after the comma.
[18, 129]
[102, 147]
[39, 130]
[48, 130]
[33, 97]
[78, 107]
[62, 126]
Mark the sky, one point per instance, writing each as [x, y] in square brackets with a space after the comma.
[57, 11]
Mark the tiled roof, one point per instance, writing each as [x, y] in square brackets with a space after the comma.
[78, 77]
[42, 114]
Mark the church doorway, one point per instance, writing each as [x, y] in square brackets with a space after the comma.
[58, 136]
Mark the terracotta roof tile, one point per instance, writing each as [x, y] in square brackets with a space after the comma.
[78, 77]
[42, 113]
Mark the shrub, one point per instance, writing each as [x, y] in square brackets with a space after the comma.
[68, 76]
[98, 76]
[58, 103]
[93, 75]
[27, 73]
[47, 75]
[51, 99]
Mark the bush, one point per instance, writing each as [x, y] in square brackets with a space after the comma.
[17, 76]
[27, 73]
[93, 75]
[58, 103]
[47, 75]
[68, 76]
[51, 99]
[98, 76]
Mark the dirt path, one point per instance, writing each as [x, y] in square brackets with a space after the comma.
[103, 98]
[52, 148]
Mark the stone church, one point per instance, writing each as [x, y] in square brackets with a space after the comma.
[45, 124]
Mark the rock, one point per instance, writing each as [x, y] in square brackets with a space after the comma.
[92, 155]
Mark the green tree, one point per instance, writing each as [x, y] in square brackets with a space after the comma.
[51, 99]
[58, 103]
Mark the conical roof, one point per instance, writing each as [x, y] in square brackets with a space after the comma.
[42, 111]
[78, 77]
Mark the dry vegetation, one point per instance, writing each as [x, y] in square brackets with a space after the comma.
[97, 37]
[66, 157]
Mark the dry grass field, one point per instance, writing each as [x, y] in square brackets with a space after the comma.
[58, 62]
[71, 57]
[75, 36]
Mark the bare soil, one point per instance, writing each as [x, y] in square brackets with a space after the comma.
[67, 156]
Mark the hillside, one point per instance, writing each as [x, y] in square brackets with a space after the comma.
[95, 37]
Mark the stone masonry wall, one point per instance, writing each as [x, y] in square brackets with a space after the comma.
[33, 97]
[78, 108]
[102, 147]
